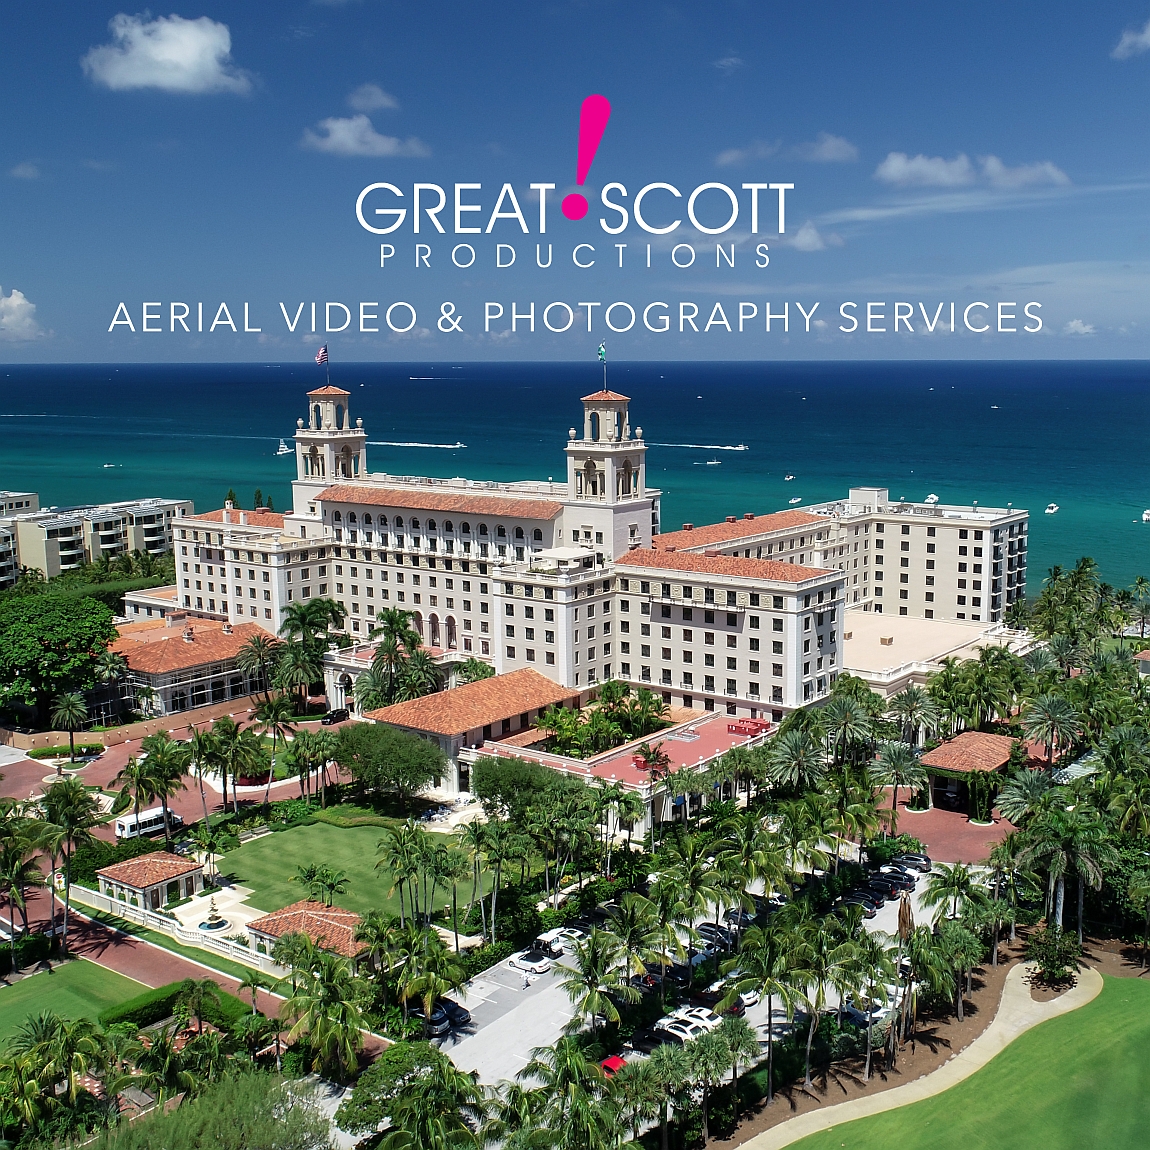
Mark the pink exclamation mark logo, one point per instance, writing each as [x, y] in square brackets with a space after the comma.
[593, 117]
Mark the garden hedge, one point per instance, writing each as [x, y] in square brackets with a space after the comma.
[30, 949]
[86, 860]
[154, 1005]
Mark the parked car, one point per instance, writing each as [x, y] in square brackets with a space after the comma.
[867, 907]
[559, 941]
[866, 895]
[530, 962]
[647, 983]
[749, 996]
[648, 1039]
[687, 1029]
[438, 1024]
[698, 1015]
[920, 863]
[717, 935]
[612, 1066]
[864, 1011]
[738, 919]
[886, 890]
[711, 996]
[456, 1014]
[899, 878]
[339, 715]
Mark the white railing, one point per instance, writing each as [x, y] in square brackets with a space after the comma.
[170, 926]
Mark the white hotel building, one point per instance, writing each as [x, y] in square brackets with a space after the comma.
[575, 580]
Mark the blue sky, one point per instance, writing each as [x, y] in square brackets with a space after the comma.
[982, 153]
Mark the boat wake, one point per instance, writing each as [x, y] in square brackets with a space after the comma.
[706, 446]
[396, 443]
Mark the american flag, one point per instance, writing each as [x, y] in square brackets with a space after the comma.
[321, 356]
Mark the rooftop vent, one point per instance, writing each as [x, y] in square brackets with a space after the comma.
[886, 640]
[712, 553]
[748, 515]
[688, 527]
[732, 519]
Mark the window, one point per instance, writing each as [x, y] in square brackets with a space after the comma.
[708, 682]
[732, 664]
[776, 624]
[732, 687]
[776, 648]
[753, 619]
[549, 659]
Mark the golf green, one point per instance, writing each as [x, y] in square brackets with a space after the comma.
[268, 864]
[1081, 1080]
[77, 989]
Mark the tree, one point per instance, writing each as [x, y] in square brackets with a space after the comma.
[299, 666]
[710, 1060]
[377, 1090]
[434, 973]
[167, 763]
[796, 759]
[258, 656]
[274, 717]
[18, 871]
[596, 978]
[253, 982]
[471, 670]
[161, 1068]
[440, 1110]
[70, 712]
[874, 959]
[195, 995]
[1052, 720]
[73, 809]
[671, 1066]
[951, 890]
[323, 1010]
[49, 645]
[135, 778]
[383, 759]
[823, 962]
[743, 1048]
[897, 765]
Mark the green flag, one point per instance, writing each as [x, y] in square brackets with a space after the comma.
[602, 354]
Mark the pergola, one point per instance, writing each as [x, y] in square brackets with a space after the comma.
[968, 766]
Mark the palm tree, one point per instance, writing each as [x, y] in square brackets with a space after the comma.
[74, 810]
[1026, 793]
[1052, 720]
[274, 717]
[167, 763]
[710, 1061]
[916, 711]
[195, 995]
[471, 839]
[597, 977]
[109, 669]
[257, 657]
[370, 691]
[744, 1048]
[765, 965]
[70, 712]
[632, 921]
[796, 760]
[874, 958]
[897, 765]
[951, 890]
[323, 1011]
[202, 750]
[438, 1109]
[575, 1115]
[297, 668]
[691, 870]
[19, 871]
[253, 982]
[436, 972]
[161, 1066]
[421, 676]
[52, 840]
[135, 778]
[376, 930]
[236, 751]
[823, 962]
[671, 1066]
[471, 670]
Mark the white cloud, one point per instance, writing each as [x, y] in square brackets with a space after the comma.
[732, 157]
[168, 53]
[925, 171]
[355, 136]
[828, 149]
[369, 97]
[729, 64]
[809, 239]
[998, 175]
[25, 171]
[1077, 327]
[1132, 43]
[18, 317]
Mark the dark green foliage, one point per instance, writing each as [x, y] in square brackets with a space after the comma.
[386, 761]
[1055, 951]
[82, 749]
[508, 787]
[97, 854]
[369, 1105]
[155, 1005]
[478, 960]
[110, 593]
[30, 949]
[250, 1111]
[881, 851]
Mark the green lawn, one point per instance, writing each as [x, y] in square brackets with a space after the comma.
[77, 989]
[267, 865]
[1082, 1080]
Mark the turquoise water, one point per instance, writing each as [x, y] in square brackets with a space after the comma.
[1027, 433]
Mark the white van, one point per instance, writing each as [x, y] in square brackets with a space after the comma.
[151, 822]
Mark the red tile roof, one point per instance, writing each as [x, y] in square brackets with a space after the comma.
[257, 518]
[150, 869]
[474, 705]
[329, 390]
[769, 570]
[152, 653]
[1142, 656]
[331, 927]
[711, 533]
[444, 501]
[971, 751]
[609, 395]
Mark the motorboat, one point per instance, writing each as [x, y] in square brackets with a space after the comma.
[787, 478]
[931, 499]
[1052, 509]
[797, 499]
[713, 462]
[283, 449]
[1146, 515]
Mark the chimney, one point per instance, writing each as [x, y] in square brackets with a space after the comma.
[669, 549]
[732, 519]
[189, 635]
[226, 628]
[243, 518]
[227, 507]
[688, 527]
[748, 515]
[712, 553]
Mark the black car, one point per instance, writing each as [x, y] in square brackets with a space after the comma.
[865, 895]
[711, 999]
[647, 983]
[918, 862]
[886, 890]
[897, 877]
[339, 715]
[647, 1040]
[868, 907]
[717, 935]
[439, 1023]
[738, 919]
[456, 1014]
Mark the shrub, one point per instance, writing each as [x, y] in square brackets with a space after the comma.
[32, 948]
[155, 1005]
[477, 960]
[86, 860]
[1056, 953]
[881, 851]
[62, 752]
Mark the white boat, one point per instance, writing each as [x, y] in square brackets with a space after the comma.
[797, 499]
[713, 462]
[931, 499]
[1051, 508]
[1146, 515]
[787, 478]
[283, 449]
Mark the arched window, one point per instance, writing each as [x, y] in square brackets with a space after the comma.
[338, 517]
[447, 525]
[339, 416]
[465, 527]
[483, 529]
[415, 525]
[398, 522]
[431, 525]
[367, 519]
[501, 531]
[537, 535]
[594, 425]
[618, 425]
[518, 532]
[315, 416]
[351, 517]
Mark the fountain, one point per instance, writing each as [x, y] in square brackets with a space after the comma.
[214, 921]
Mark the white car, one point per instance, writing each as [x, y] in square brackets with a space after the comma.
[749, 997]
[699, 1015]
[682, 1028]
[530, 962]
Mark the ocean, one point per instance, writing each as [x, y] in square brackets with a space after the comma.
[1029, 434]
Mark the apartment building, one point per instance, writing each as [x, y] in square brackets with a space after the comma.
[18, 502]
[9, 556]
[49, 541]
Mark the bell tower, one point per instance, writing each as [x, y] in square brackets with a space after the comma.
[606, 465]
[328, 448]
